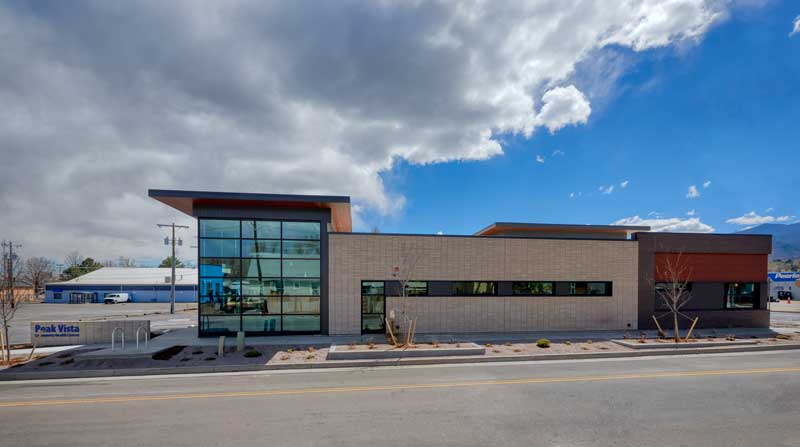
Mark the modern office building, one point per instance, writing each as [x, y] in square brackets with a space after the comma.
[287, 264]
[143, 285]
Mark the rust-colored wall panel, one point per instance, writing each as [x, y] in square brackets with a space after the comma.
[716, 266]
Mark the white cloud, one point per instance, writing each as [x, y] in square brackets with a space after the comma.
[624, 184]
[539, 159]
[769, 210]
[674, 224]
[571, 195]
[606, 189]
[751, 219]
[439, 233]
[706, 183]
[691, 213]
[693, 192]
[563, 106]
[245, 98]
[558, 152]
[795, 27]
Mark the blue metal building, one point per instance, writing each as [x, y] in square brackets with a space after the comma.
[143, 285]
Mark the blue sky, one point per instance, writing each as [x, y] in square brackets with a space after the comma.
[726, 110]
[429, 114]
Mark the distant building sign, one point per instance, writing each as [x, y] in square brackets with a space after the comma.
[784, 276]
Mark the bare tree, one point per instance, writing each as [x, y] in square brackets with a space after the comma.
[9, 304]
[72, 259]
[403, 272]
[672, 288]
[37, 271]
[125, 262]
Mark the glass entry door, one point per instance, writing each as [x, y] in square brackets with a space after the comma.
[373, 307]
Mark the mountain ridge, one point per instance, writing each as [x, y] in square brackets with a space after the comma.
[785, 238]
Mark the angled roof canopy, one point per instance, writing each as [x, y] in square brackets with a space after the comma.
[557, 230]
[185, 202]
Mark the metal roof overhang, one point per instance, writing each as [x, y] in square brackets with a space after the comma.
[185, 202]
[503, 227]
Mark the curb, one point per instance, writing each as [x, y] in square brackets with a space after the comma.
[93, 373]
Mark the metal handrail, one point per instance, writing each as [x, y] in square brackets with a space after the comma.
[122, 334]
[146, 337]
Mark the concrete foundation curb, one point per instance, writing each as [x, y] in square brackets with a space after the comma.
[8, 376]
[468, 349]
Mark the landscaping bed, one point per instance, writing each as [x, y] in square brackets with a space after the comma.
[386, 351]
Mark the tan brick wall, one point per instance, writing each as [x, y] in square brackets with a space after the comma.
[357, 257]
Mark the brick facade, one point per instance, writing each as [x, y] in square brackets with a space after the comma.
[357, 257]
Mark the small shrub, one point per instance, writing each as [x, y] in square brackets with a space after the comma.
[543, 343]
[517, 350]
[783, 337]
[311, 349]
[371, 346]
[588, 342]
[730, 338]
[290, 350]
[508, 343]
[488, 345]
[568, 343]
[252, 353]
[584, 348]
[311, 356]
[458, 345]
[604, 348]
[641, 341]
[285, 357]
[435, 343]
[496, 351]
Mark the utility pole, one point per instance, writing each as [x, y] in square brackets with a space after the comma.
[172, 280]
[9, 257]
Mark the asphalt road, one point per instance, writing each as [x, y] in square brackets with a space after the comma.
[20, 331]
[731, 400]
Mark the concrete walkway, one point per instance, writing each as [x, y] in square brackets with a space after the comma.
[188, 337]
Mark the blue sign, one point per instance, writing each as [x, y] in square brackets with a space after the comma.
[784, 276]
[56, 330]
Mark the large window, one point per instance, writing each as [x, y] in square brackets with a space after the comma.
[533, 288]
[580, 288]
[417, 288]
[260, 276]
[474, 288]
[373, 306]
[741, 295]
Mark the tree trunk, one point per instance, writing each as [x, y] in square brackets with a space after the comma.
[5, 346]
[675, 320]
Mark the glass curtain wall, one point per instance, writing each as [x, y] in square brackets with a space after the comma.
[259, 276]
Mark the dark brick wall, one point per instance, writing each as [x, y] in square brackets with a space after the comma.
[707, 296]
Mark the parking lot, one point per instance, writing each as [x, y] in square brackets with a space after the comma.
[158, 313]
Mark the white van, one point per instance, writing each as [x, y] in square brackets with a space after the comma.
[113, 298]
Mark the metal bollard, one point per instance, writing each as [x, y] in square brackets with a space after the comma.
[221, 347]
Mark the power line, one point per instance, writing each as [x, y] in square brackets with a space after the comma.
[167, 241]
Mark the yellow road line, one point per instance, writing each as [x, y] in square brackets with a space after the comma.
[300, 391]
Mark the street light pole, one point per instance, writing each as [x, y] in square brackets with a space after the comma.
[172, 276]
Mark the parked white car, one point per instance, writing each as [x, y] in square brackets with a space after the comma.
[114, 298]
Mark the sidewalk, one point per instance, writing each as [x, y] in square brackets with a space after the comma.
[783, 306]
